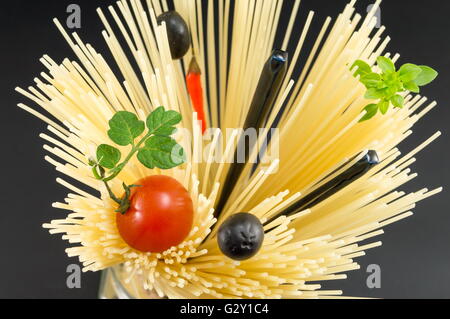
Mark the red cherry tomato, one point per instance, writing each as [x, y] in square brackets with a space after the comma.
[161, 215]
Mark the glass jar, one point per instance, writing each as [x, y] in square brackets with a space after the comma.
[113, 285]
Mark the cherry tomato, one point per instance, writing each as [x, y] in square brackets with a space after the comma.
[160, 216]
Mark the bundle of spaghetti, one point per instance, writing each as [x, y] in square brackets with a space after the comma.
[317, 113]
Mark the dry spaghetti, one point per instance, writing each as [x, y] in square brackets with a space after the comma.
[319, 134]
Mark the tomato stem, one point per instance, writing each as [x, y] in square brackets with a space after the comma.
[121, 166]
[111, 194]
[99, 173]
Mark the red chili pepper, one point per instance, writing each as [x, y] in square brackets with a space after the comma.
[194, 86]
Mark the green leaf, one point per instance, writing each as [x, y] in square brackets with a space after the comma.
[398, 101]
[125, 127]
[371, 111]
[374, 94]
[412, 86]
[363, 68]
[386, 64]
[382, 85]
[162, 122]
[108, 156]
[409, 72]
[371, 80]
[162, 152]
[383, 106]
[427, 76]
[390, 91]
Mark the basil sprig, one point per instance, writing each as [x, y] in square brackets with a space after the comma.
[156, 149]
[386, 86]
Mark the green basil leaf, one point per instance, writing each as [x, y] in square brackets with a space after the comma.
[383, 106]
[390, 91]
[363, 68]
[371, 111]
[125, 127]
[386, 64]
[412, 87]
[108, 156]
[382, 85]
[398, 101]
[371, 80]
[162, 122]
[161, 152]
[374, 94]
[426, 76]
[409, 72]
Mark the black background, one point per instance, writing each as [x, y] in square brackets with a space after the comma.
[414, 259]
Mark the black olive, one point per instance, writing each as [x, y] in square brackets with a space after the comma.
[177, 32]
[241, 236]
